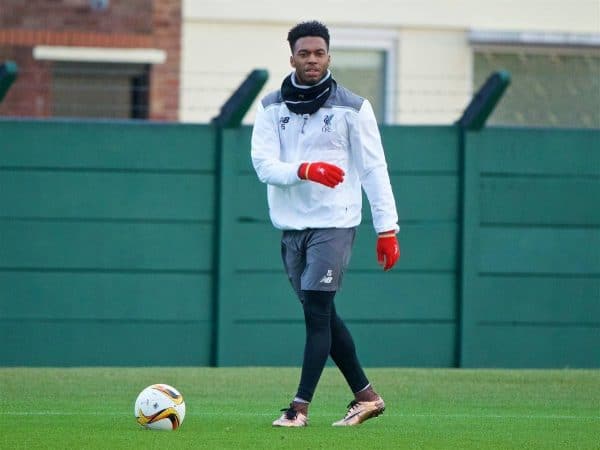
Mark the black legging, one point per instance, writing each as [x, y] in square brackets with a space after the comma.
[326, 334]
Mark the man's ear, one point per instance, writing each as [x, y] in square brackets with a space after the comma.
[292, 62]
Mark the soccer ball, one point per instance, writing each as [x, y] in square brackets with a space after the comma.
[160, 407]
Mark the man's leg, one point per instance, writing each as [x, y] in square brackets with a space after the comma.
[367, 403]
[343, 353]
[317, 317]
[327, 255]
[293, 254]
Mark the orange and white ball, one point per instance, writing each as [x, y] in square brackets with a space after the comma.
[160, 407]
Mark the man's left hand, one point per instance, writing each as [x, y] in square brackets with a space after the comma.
[388, 250]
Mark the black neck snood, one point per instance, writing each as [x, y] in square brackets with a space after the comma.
[306, 99]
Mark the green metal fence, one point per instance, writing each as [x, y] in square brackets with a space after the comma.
[150, 244]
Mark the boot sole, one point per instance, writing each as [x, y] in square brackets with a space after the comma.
[373, 414]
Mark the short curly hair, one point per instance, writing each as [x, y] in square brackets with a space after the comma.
[303, 29]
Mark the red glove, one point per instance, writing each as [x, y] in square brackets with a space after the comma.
[388, 250]
[321, 172]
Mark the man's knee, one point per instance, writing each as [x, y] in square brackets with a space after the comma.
[318, 307]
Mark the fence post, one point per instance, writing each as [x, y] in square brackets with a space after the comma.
[484, 101]
[473, 118]
[8, 74]
[235, 108]
[231, 115]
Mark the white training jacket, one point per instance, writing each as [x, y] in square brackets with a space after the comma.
[343, 132]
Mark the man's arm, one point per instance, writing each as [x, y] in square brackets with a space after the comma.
[268, 165]
[367, 151]
[265, 151]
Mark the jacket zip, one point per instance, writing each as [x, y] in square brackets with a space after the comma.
[305, 119]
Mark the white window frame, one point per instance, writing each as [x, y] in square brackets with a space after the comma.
[381, 40]
[100, 54]
[534, 43]
[556, 40]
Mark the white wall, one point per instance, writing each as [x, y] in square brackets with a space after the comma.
[216, 58]
[223, 40]
[434, 81]
[578, 16]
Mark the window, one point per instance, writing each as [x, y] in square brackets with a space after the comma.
[555, 78]
[559, 90]
[102, 90]
[363, 72]
[364, 62]
[99, 82]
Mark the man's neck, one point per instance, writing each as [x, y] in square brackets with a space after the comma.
[296, 82]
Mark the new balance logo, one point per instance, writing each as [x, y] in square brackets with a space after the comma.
[328, 278]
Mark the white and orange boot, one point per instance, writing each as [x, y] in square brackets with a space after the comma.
[292, 418]
[358, 412]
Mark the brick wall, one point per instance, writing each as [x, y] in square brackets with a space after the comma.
[125, 16]
[124, 24]
[30, 95]
[164, 85]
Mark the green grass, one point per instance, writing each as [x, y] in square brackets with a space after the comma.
[234, 407]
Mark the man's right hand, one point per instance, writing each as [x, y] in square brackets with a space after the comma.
[321, 172]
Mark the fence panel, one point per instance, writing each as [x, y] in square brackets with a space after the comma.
[106, 243]
[140, 244]
[261, 320]
[532, 297]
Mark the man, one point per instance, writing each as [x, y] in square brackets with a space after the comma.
[316, 144]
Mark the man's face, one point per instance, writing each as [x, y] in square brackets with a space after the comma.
[310, 59]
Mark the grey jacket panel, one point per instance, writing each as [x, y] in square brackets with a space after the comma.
[272, 98]
[343, 97]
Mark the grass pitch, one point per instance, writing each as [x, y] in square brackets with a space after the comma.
[234, 407]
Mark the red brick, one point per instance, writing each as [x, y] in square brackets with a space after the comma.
[126, 23]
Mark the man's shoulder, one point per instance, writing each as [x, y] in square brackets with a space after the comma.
[272, 98]
[344, 98]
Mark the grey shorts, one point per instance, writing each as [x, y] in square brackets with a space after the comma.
[315, 260]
